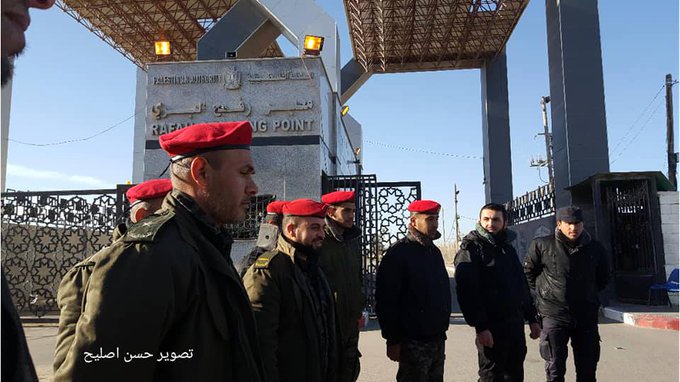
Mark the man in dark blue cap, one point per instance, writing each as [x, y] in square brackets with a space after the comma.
[567, 271]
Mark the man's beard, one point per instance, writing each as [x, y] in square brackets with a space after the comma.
[218, 210]
[213, 207]
[7, 69]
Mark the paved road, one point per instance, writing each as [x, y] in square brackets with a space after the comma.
[628, 354]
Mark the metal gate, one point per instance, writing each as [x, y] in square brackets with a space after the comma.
[381, 215]
[634, 257]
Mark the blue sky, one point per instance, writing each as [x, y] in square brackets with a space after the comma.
[69, 84]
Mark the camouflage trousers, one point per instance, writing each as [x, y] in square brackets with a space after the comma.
[421, 361]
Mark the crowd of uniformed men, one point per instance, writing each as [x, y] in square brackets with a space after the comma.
[164, 302]
[290, 309]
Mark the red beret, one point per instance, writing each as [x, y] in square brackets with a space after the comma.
[424, 207]
[338, 197]
[203, 137]
[305, 207]
[151, 189]
[276, 207]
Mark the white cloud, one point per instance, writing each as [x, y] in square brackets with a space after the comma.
[19, 171]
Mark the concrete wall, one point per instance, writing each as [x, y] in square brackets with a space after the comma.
[670, 229]
[355, 133]
[526, 232]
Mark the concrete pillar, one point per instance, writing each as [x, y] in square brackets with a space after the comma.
[352, 77]
[577, 109]
[140, 128]
[6, 107]
[496, 130]
[245, 30]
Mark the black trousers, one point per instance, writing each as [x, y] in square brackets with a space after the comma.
[504, 362]
[585, 344]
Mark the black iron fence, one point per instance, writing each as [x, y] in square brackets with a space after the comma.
[44, 234]
[533, 205]
[250, 227]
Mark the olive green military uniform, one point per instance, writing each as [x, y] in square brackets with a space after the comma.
[294, 312]
[168, 287]
[340, 260]
[70, 298]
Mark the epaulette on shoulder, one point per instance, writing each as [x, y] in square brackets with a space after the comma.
[146, 229]
[263, 261]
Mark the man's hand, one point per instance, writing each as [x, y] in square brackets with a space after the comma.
[393, 352]
[535, 330]
[485, 338]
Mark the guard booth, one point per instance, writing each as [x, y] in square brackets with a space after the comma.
[622, 211]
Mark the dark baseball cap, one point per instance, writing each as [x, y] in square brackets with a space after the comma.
[570, 214]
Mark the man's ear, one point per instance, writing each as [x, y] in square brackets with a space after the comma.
[199, 171]
[290, 229]
[140, 213]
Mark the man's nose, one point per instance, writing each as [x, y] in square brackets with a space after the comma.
[252, 187]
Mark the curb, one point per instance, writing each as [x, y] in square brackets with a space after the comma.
[665, 321]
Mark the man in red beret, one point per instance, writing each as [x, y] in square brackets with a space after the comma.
[413, 297]
[292, 301]
[145, 198]
[168, 286]
[266, 238]
[341, 262]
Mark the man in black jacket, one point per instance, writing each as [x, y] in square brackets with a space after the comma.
[494, 296]
[413, 299]
[567, 271]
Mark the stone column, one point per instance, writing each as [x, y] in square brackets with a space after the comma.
[140, 126]
[496, 130]
[577, 109]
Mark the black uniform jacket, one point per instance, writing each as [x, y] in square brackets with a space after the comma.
[490, 284]
[567, 276]
[164, 303]
[413, 296]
